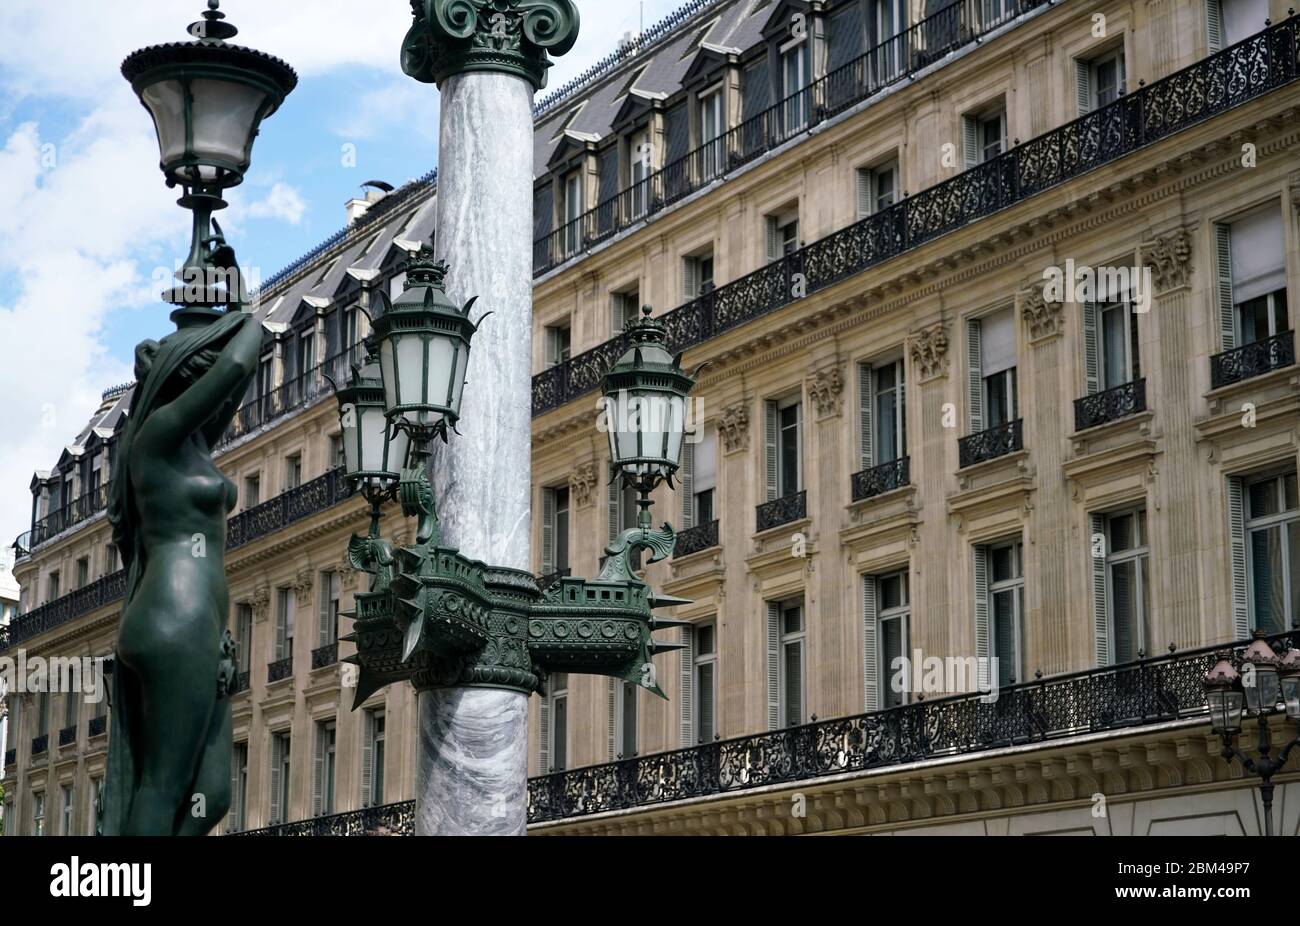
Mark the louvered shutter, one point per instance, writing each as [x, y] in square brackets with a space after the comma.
[612, 706]
[770, 426]
[1214, 25]
[281, 624]
[970, 141]
[690, 279]
[277, 757]
[318, 773]
[543, 207]
[757, 91]
[323, 623]
[773, 666]
[866, 411]
[367, 755]
[616, 313]
[1223, 271]
[982, 645]
[548, 531]
[974, 377]
[901, 373]
[1091, 350]
[686, 478]
[613, 507]
[772, 238]
[1237, 556]
[870, 646]
[864, 192]
[1083, 87]
[1100, 620]
[687, 693]
[543, 735]
[232, 815]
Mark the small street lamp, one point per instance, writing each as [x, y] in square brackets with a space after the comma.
[1265, 678]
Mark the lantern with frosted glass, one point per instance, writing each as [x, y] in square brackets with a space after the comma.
[645, 405]
[1289, 678]
[1223, 694]
[373, 450]
[424, 343]
[1259, 666]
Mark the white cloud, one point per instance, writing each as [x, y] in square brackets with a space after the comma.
[283, 202]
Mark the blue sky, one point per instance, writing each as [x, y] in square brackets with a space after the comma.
[86, 221]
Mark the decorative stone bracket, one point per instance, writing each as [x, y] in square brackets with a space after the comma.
[825, 388]
[582, 484]
[929, 351]
[1170, 260]
[1043, 319]
[733, 427]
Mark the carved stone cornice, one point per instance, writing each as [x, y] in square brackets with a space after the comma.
[1170, 260]
[929, 351]
[1043, 319]
[515, 37]
[825, 388]
[582, 485]
[733, 428]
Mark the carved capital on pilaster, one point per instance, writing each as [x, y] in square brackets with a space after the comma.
[1043, 319]
[733, 427]
[929, 351]
[1170, 260]
[582, 485]
[506, 36]
[302, 585]
[347, 574]
[825, 388]
[260, 602]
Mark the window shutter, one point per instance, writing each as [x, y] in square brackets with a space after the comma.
[543, 735]
[318, 774]
[1100, 619]
[982, 652]
[690, 279]
[866, 408]
[323, 628]
[1237, 553]
[864, 192]
[1214, 25]
[1083, 87]
[1223, 268]
[970, 141]
[614, 505]
[870, 646]
[770, 427]
[773, 666]
[686, 475]
[548, 532]
[612, 706]
[616, 314]
[277, 756]
[974, 377]
[232, 815]
[687, 694]
[552, 347]
[281, 624]
[1091, 350]
[772, 237]
[901, 372]
[367, 755]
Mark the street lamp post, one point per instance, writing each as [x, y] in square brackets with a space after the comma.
[1264, 682]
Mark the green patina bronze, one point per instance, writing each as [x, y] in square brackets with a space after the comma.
[506, 36]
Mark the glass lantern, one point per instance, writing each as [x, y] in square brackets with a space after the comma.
[374, 452]
[1289, 678]
[1224, 696]
[1260, 675]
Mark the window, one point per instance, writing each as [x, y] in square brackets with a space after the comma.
[1272, 547]
[238, 818]
[624, 308]
[572, 211]
[331, 590]
[83, 571]
[335, 451]
[784, 469]
[52, 586]
[252, 491]
[699, 478]
[555, 530]
[557, 344]
[886, 615]
[887, 21]
[992, 394]
[66, 805]
[292, 471]
[42, 713]
[993, 12]
[1121, 583]
[284, 618]
[782, 234]
[794, 79]
[1252, 279]
[999, 605]
[110, 558]
[553, 728]
[323, 772]
[1120, 362]
[984, 136]
[372, 758]
[1231, 21]
[704, 683]
[877, 188]
[71, 709]
[306, 352]
[96, 804]
[38, 813]
[279, 783]
[244, 634]
[713, 127]
[623, 719]
[640, 155]
[697, 275]
[1101, 80]
[266, 376]
[882, 406]
[786, 627]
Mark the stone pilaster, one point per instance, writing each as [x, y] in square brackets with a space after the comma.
[933, 452]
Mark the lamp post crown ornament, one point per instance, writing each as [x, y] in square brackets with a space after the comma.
[515, 37]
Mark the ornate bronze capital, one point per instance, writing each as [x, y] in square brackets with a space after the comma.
[507, 36]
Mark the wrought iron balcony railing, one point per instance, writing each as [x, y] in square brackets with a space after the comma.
[279, 670]
[297, 391]
[991, 444]
[97, 726]
[881, 479]
[325, 656]
[1156, 111]
[11, 757]
[52, 614]
[243, 681]
[386, 820]
[1112, 405]
[73, 513]
[40, 744]
[697, 538]
[67, 736]
[1252, 360]
[894, 60]
[785, 510]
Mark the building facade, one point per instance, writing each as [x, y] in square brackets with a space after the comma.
[995, 301]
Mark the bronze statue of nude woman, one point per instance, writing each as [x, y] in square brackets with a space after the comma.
[170, 747]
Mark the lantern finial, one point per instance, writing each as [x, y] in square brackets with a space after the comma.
[211, 28]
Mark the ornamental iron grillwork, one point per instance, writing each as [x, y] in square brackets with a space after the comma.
[11, 757]
[97, 594]
[784, 510]
[881, 479]
[695, 539]
[386, 820]
[67, 736]
[1226, 79]
[992, 444]
[242, 681]
[97, 726]
[1111, 405]
[40, 744]
[325, 656]
[279, 670]
[1252, 360]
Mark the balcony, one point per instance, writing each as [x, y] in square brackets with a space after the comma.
[780, 511]
[881, 479]
[68, 736]
[695, 539]
[1252, 360]
[242, 681]
[387, 820]
[294, 393]
[11, 757]
[991, 444]
[40, 744]
[1152, 113]
[288, 507]
[96, 726]
[893, 61]
[1112, 405]
[325, 656]
[88, 598]
[280, 670]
